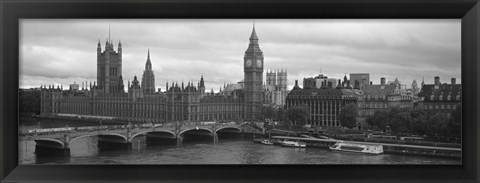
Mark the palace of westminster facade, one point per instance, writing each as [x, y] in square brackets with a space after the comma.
[186, 102]
[180, 102]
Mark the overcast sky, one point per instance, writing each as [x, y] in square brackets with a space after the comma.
[64, 51]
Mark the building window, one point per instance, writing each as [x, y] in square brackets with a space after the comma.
[431, 97]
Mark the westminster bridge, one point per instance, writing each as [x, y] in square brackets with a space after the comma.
[58, 143]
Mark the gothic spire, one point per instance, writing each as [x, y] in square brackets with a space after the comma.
[148, 64]
[254, 34]
[253, 47]
[109, 40]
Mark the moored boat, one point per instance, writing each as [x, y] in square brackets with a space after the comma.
[287, 143]
[360, 148]
[267, 142]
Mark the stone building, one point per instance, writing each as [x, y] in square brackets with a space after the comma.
[253, 78]
[315, 82]
[324, 104]
[185, 102]
[441, 97]
[148, 79]
[381, 97]
[275, 89]
[359, 80]
[109, 68]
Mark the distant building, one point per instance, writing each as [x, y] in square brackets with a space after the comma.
[324, 104]
[415, 89]
[275, 90]
[74, 86]
[441, 97]
[332, 82]
[381, 97]
[316, 82]
[359, 80]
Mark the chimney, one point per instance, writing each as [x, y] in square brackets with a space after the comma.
[453, 81]
[382, 81]
[437, 80]
[371, 83]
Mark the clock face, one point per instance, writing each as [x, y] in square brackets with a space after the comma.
[259, 63]
[248, 63]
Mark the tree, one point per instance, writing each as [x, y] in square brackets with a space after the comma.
[29, 102]
[268, 112]
[400, 119]
[281, 114]
[348, 115]
[419, 121]
[437, 124]
[379, 120]
[297, 115]
[455, 125]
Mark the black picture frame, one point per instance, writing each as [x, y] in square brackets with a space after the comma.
[13, 10]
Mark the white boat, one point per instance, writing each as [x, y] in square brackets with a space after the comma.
[293, 144]
[267, 142]
[361, 148]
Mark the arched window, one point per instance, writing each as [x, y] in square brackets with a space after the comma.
[449, 97]
[458, 97]
[432, 97]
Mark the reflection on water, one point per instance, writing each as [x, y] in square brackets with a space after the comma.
[231, 151]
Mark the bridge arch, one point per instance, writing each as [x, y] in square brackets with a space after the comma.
[164, 131]
[196, 129]
[139, 133]
[50, 142]
[114, 136]
[229, 128]
[82, 136]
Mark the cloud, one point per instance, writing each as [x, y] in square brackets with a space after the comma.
[64, 50]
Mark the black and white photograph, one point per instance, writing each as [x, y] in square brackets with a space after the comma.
[240, 91]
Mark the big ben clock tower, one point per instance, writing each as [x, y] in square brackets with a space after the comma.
[253, 73]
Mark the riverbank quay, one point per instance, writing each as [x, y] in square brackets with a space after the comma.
[81, 120]
[405, 149]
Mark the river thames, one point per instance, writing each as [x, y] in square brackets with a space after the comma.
[225, 151]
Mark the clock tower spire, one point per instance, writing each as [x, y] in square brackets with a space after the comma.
[253, 78]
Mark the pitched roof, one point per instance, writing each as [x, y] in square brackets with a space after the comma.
[441, 93]
[377, 90]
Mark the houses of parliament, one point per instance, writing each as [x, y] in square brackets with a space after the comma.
[180, 102]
